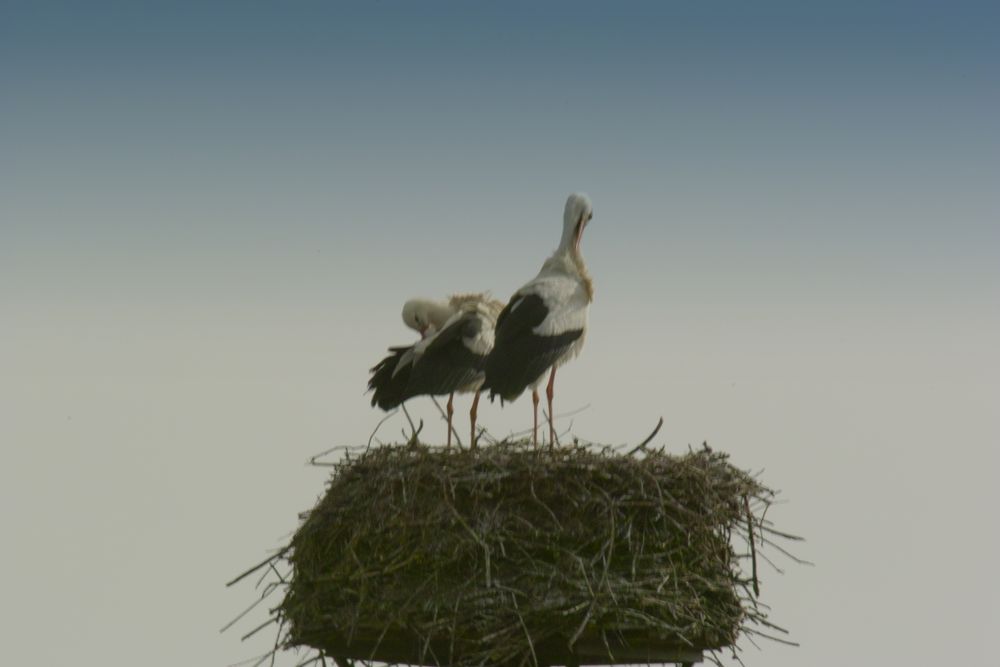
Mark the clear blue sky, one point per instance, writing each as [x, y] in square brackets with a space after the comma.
[211, 214]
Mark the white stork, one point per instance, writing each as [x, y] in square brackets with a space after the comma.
[456, 339]
[545, 323]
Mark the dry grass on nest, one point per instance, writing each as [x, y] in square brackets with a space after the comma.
[487, 554]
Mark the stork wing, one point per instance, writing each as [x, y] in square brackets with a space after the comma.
[520, 355]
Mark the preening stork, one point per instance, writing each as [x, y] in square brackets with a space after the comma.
[391, 375]
[456, 338]
[545, 323]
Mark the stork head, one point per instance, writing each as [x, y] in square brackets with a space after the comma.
[577, 214]
[425, 316]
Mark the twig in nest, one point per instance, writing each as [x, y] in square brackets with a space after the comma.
[413, 429]
[277, 642]
[246, 611]
[314, 460]
[485, 434]
[518, 434]
[750, 631]
[270, 621]
[527, 633]
[263, 563]
[786, 553]
[254, 660]
[264, 658]
[753, 548]
[377, 427]
[415, 440]
[642, 445]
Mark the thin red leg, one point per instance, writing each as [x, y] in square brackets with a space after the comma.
[472, 418]
[548, 395]
[534, 429]
[451, 411]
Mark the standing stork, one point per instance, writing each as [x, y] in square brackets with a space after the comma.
[456, 339]
[545, 323]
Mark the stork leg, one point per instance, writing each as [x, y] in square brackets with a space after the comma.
[472, 419]
[548, 395]
[534, 429]
[451, 411]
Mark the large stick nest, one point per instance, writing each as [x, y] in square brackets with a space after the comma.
[492, 552]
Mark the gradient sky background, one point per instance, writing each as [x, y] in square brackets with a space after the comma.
[211, 215]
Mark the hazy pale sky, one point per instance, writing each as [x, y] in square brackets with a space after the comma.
[211, 214]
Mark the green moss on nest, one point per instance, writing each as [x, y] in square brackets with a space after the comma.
[485, 556]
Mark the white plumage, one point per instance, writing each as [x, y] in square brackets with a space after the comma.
[457, 336]
[544, 324]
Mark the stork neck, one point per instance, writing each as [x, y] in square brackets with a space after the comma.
[566, 259]
[569, 250]
[438, 313]
[568, 242]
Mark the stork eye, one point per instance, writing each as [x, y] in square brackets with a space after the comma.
[590, 217]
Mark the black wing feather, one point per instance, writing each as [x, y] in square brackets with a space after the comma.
[388, 384]
[448, 364]
[520, 356]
